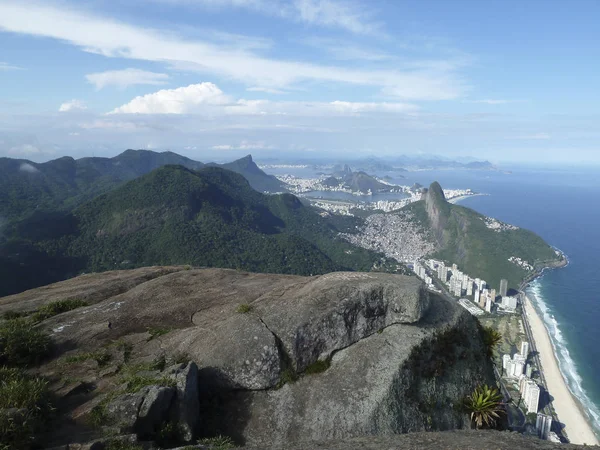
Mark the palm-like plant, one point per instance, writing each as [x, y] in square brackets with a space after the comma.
[491, 339]
[484, 405]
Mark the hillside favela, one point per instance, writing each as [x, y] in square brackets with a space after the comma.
[299, 224]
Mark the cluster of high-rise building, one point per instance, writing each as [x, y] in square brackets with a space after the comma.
[421, 272]
[518, 368]
[543, 425]
[530, 393]
[461, 284]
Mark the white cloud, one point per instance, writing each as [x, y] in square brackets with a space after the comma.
[245, 145]
[182, 100]
[206, 98]
[72, 105]
[73, 133]
[5, 67]
[125, 78]
[116, 39]
[26, 167]
[350, 16]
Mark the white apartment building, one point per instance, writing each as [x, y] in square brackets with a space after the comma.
[531, 396]
[543, 424]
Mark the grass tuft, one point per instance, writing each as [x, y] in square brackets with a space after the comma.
[25, 407]
[134, 383]
[21, 344]
[157, 332]
[54, 308]
[217, 443]
[102, 357]
[318, 366]
[244, 308]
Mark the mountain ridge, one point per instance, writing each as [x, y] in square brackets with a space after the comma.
[174, 215]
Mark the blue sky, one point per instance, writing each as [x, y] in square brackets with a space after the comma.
[500, 80]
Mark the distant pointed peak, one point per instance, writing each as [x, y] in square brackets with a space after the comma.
[436, 191]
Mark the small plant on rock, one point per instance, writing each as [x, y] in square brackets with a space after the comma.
[217, 443]
[317, 367]
[54, 308]
[24, 407]
[244, 308]
[157, 332]
[485, 406]
[491, 339]
[21, 344]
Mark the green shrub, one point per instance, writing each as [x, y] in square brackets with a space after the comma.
[136, 382]
[99, 416]
[159, 363]
[218, 443]
[287, 376]
[244, 308]
[102, 357]
[317, 367]
[21, 344]
[485, 406]
[31, 397]
[10, 315]
[119, 444]
[157, 332]
[54, 308]
[491, 339]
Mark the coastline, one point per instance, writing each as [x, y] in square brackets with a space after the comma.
[462, 197]
[567, 408]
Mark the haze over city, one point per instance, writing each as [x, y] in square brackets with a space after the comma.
[504, 81]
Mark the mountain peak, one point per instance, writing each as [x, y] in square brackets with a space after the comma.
[438, 209]
[436, 193]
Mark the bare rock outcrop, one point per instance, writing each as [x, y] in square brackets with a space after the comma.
[265, 359]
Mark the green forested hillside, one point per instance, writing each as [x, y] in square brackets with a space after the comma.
[174, 215]
[463, 238]
[65, 183]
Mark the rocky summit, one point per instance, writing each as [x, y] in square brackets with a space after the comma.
[267, 360]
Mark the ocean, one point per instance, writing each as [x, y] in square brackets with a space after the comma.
[562, 206]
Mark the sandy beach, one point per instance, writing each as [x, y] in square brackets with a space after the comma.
[567, 409]
[462, 197]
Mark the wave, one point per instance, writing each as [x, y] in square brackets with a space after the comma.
[566, 364]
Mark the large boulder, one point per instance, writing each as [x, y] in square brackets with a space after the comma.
[338, 309]
[406, 378]
[266, 359]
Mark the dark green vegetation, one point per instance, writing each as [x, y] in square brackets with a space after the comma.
[485, 406]
[173, 215]
[463, 238]
[492, 339]
[21, 343]
[244, 308]
[24, 408]
[259, 180]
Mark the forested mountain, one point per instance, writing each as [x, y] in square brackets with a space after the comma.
[481, 246]
[258, 179]
[174, 215]
[65, 183]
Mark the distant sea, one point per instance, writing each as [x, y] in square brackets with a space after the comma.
[563, 207]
